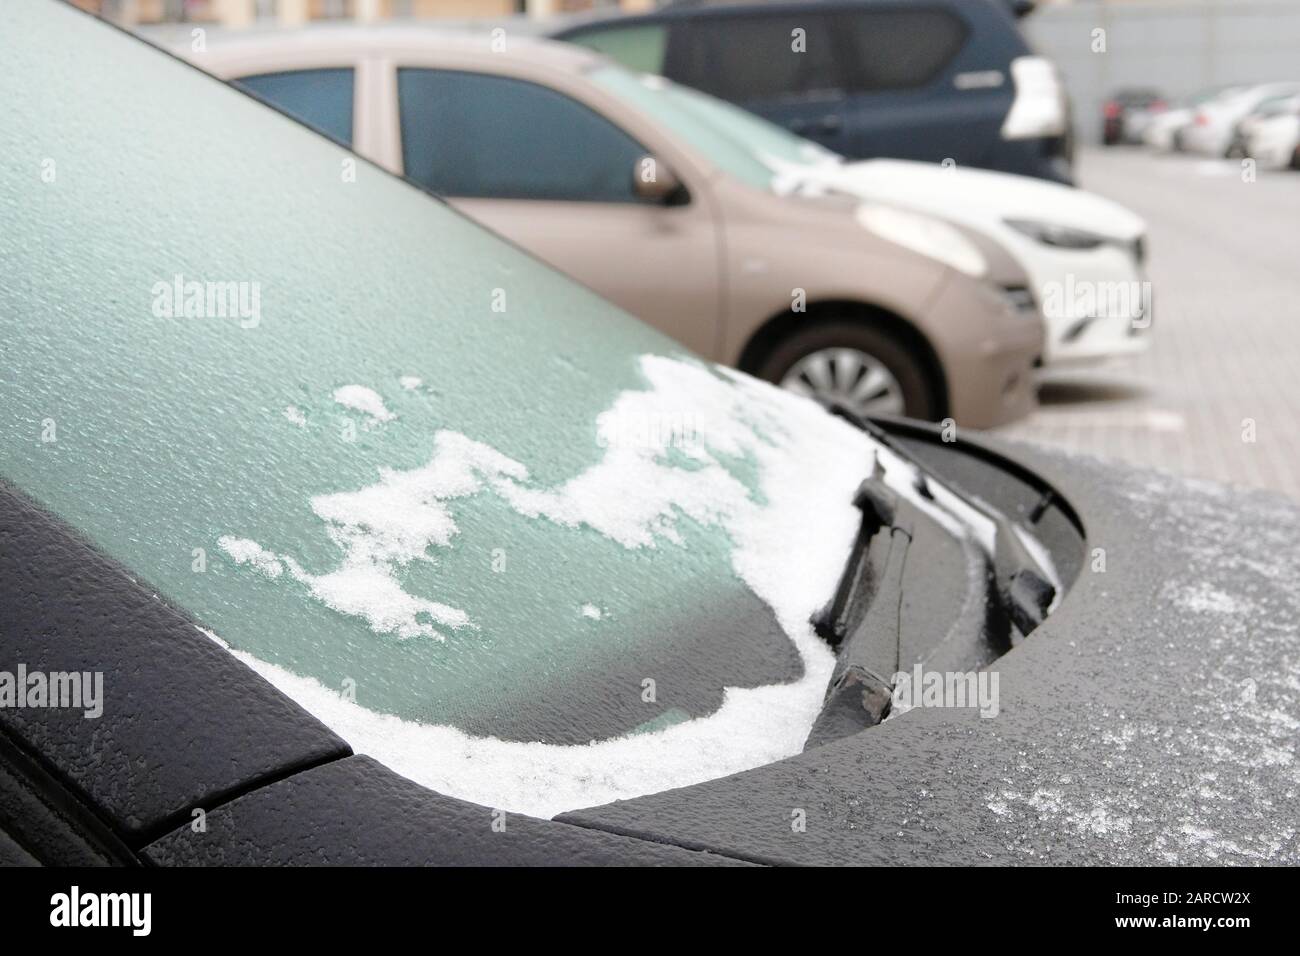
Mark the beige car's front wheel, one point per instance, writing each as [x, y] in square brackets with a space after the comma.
[860, 367]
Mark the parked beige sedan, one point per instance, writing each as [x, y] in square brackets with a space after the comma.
[635, 187]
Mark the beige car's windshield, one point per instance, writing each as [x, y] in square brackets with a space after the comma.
[739, 143]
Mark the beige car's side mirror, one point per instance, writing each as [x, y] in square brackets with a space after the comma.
[652, 180]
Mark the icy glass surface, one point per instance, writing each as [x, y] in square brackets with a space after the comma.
[368, 320]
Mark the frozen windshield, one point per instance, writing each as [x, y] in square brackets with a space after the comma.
[736, 141]
[460, 508]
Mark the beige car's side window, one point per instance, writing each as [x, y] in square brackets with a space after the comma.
[477, 136]
[320, 98]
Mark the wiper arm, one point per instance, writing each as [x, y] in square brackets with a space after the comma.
[878, 505]
[1022, 587]
[861, 686]
[862, 621]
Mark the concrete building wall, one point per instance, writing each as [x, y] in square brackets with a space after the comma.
[1176, 47]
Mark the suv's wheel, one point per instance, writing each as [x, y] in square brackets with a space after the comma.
[862, 367]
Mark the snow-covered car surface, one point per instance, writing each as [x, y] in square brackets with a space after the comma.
[1153, 719]
[510, 541]
[397, 534]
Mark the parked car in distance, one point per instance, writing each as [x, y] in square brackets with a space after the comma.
[1126, 113]
[1214, 123]
[1164, 130]
[1271, 134]
[612, 177]
[1083, 254]
[947, 79]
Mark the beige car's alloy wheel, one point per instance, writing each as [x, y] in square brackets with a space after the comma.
[848, 377]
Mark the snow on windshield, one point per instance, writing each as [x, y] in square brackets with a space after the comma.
[790, 537]
[365, 400]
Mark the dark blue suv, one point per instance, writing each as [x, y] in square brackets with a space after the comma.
[929, 80]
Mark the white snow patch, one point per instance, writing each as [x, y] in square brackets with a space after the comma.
[363, 400]
[295, 416]
[371, 592]
[384, 526]
[244, 551]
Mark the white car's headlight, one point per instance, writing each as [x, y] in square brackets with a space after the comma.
[1050, 234]
[924, 234]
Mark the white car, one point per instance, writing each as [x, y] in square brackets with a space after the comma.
[1214, 124]
[1164, 131]
[1272, 135]
[1161, 132]
[1082, 254]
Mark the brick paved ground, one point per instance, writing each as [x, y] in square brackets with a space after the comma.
[1225, 268]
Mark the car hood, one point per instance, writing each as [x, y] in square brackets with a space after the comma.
[1152, 719]
[978, 197]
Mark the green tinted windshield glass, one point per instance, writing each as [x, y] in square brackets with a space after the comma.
[736, 141]
[382, 453]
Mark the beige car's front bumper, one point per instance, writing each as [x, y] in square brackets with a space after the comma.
[988, 350]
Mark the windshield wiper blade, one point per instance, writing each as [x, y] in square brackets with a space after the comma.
[878, 505]
[861, 686]
[863, 619]
[1022, 587]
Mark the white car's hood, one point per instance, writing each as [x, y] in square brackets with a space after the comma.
[975, 197]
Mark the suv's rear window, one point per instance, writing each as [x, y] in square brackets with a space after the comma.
[767, 57]
[895, 49]
[755, 58]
